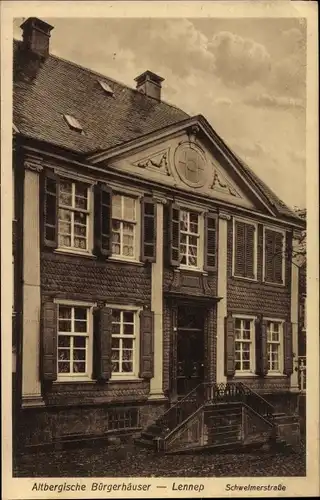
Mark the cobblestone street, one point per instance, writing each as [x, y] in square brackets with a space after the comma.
[130, 461]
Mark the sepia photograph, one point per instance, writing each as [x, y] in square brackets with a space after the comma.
[159, 252]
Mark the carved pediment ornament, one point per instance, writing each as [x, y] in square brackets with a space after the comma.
[191, 164]
[221, 184]
[158, 161]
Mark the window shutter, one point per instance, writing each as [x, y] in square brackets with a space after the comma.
[249, 250]
[102, 319]
[239, 249]
[278, 257]
[229, 346]
[148, 229]
[50, 197]
[261, 347]
[210, 247]
[102, 220]
[287, 347]
[174, 231]
[268, 255]
[146, 344]
[48, 360]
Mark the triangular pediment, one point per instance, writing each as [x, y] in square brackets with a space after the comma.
[186, 158]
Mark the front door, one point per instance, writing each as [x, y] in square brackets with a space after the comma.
[190, 348]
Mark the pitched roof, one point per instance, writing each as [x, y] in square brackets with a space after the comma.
[60, 87]
[44, 94]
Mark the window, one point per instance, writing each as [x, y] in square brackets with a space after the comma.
[244, 249]
[189, 238]
[244, 346]
[73, 215]
[73, 341]
[106, 87]
[124, 330]
[123, 418]
[274, 336]
[73, 123]
[274, 241]
[124, 226]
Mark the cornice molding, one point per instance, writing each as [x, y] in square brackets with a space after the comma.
[224, 216]
[34, 164]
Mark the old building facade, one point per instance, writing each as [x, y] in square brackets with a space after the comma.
[148, 257]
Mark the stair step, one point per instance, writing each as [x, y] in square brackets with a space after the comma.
[145, 442]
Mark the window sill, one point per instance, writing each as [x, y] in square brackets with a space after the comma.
[246, 375]
[275, 375]
[193, 270]
[279, 285]
[243, 278]
[125, 379]
[126, 261]
[74, 380]
[85, 254]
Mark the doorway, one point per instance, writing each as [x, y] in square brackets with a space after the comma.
[190, 348]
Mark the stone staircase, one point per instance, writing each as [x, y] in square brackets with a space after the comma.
[221, 417]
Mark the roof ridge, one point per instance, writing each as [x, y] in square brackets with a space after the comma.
[94, 72]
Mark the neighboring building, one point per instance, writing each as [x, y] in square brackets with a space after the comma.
[150, 258]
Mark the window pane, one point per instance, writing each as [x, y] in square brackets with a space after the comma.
[276, 327]
[115, 366]
[64, 241]
[246, 365]
[80, 218]
[127, 355]
[80, 230]
[81, 202]
[127, 367]
[128, 208]
[79, 341]
[192, 260]
[116, 315]
[80, 326]
[238, 323]
[64, 325]
[64, 312]
[63, 341]
[128, 316]
[116, 206]
[194, 217]
[246, 334]
[115, 249]
[247, 324]
[65, 198]
[63, 354]
[116, 329]
[128, 329]
[64, 215]
[194, 228]
[64, 227]
[127, 343]
[115, 343]
[80, 313]
[63, 367]
[79, 354]
[80, 243]
[79, 367]
[237, 365]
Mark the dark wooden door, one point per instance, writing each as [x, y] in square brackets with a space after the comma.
[190, 350]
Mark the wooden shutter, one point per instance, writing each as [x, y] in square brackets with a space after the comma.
[261, 347]
[239, 248]
[102, 367]
[174, 235]
[278, 257]
[148, 229]
[50, 200]
[146, 344]
[287, 348]
[210, 246]
[268, 255]
[249, 250]
[48, 360]
[102, 220]
[229, 346]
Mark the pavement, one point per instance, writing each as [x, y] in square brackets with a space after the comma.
[128, 460]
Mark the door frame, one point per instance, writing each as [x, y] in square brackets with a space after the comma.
[209, 329]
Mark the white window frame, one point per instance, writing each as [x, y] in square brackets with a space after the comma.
[255, 257]
[137, 224]
[189, 208]
[75, 377]
[279, 372]
[63, 175]
[136, 350]
[251, 372]
[283, 232]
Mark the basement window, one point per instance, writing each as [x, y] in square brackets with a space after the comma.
[106, 87]
[73, 123]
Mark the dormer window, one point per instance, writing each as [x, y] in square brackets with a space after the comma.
[106, 87]
[73, 123]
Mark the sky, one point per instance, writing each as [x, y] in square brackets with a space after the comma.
[246, 76]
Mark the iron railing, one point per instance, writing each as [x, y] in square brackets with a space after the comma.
[210, 393]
